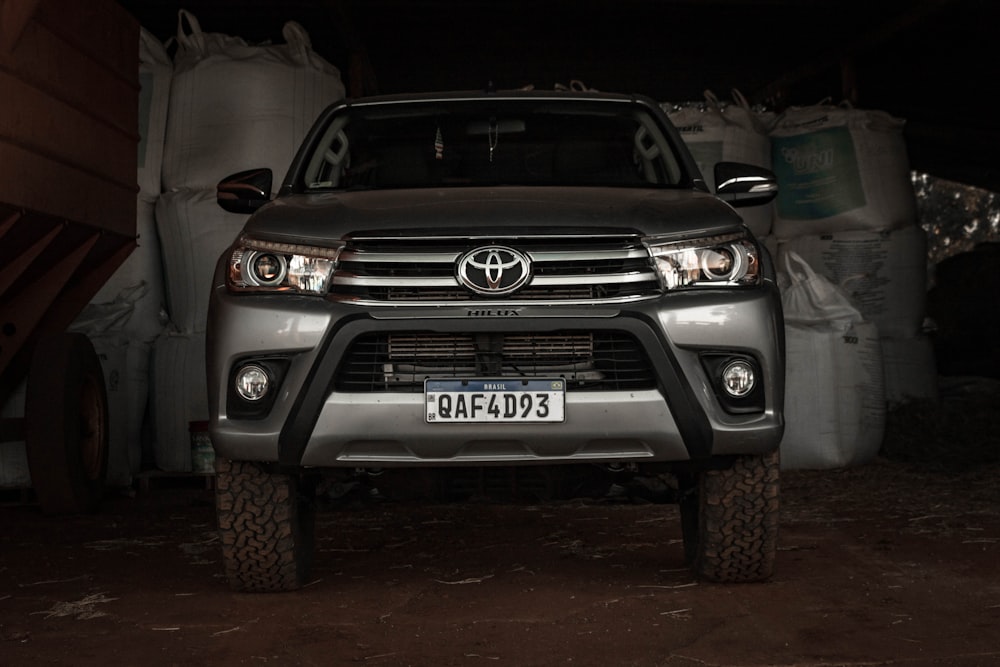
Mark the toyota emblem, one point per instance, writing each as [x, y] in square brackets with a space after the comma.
[494, 270]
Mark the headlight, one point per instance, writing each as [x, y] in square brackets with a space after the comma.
[263, 266]
[728, 260]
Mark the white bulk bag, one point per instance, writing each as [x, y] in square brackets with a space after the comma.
[194, 231]
[126, 405]
[179, 396]
[839, 169]
[716, 132]
[834, 387]
[884, 273]
[234, 106]
[155, 72]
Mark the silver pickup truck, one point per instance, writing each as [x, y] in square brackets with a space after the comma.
[495, 279]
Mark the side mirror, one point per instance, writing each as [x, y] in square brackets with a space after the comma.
[244, 192]
[744, 184]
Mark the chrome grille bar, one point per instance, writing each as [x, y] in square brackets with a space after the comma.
[422, 270]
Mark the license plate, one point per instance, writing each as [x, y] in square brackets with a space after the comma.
[502, 400]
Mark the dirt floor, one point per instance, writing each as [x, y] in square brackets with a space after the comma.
[891, 563]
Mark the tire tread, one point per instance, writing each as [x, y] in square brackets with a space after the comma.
[738, 521]
[265, 527]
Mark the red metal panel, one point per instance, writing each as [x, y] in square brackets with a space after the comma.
[68, 153]
[69, 122]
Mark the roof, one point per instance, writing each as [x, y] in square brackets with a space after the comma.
[491, 94]
[930, 62]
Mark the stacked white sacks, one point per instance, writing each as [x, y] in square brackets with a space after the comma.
[715, 132]
[885, 274]
[839, 169]
[834, 387]
[233, 106]
[847, 208]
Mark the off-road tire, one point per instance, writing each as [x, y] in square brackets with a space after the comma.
[729, 519]
[266, 521]
[66, 424]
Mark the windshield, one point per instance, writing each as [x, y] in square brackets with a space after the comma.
[491, 142]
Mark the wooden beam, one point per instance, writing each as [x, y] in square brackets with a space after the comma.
[14, 16]
[361, 78]
[849, 80]
[75, 297]
[931, 147]
[777, 91]
[24, 310]
[19, 264]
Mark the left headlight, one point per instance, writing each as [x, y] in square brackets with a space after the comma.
[727, 260]
[265, 266]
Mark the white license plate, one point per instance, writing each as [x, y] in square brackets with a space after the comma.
[488, 400]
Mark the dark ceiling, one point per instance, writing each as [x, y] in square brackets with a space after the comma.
[934, 63]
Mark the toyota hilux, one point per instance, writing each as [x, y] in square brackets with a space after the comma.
[495, 279]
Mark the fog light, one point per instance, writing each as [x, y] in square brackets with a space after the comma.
[737, 378]
[252, 382]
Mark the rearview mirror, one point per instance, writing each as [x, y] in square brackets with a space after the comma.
[744, 184]
[494, 127]
[244, 192]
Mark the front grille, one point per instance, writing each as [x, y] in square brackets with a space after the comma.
[582, 269]
[400, 362]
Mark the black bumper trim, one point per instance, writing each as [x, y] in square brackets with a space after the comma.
[692, 423]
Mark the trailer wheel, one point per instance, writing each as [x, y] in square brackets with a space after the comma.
[66, 424]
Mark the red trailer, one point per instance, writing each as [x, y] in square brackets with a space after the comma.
[68, 144]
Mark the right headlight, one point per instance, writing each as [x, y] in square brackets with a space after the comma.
[727, 260]
[266, 266]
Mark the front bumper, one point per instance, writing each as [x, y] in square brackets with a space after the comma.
[312, 424]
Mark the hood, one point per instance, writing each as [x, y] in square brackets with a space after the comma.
[485, 212]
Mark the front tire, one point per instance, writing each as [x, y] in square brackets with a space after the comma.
[729, 520]
[266, 521]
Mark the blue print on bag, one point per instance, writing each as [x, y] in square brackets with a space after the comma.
[818, 173]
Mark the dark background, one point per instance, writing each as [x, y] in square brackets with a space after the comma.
[933, 63]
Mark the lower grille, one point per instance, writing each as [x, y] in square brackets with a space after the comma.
[400, 362]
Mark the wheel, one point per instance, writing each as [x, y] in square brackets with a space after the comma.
[729, 520]
[66, 424]
[266, 522]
